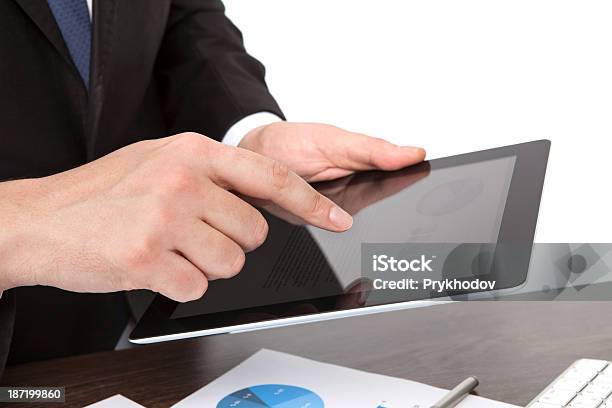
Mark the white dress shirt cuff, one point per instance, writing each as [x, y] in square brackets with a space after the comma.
[240, 129]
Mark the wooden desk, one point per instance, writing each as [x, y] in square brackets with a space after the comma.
[515, 348]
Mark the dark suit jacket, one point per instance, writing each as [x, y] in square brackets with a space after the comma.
[158, 68]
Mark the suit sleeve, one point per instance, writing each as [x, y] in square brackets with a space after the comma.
[207, 80]
[7, 318]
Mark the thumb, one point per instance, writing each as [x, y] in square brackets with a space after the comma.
[355, 151]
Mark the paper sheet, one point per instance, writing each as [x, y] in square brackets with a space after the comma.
[270, 379]
[116, 401]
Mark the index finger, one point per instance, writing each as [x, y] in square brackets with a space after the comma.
[260, 177]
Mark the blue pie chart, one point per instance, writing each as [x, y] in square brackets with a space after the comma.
[272, 396]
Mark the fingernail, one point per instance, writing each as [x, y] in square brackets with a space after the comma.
[414, 148]
[340, 218]
[417, 151]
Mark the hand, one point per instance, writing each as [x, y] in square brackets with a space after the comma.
[319, 152]
[155, 215]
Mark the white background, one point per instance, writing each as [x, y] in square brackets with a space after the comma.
[456, 76]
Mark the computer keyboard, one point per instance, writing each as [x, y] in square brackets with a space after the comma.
[585, 384]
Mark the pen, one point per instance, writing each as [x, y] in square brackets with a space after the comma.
[458, 393]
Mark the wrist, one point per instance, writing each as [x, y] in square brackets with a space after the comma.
[251, 140]
[259, 140]
[14, 219]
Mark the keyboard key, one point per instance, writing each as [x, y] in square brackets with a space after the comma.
[583, 401]
[596, 390]
[557, 396]
[573, 384]
[603, 380]
[586, 374]
[543, 405]
[590, 364]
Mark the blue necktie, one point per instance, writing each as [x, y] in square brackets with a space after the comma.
[73, 19]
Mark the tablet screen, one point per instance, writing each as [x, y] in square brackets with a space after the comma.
[427, 203]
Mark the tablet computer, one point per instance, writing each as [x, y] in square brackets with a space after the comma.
[475, 212]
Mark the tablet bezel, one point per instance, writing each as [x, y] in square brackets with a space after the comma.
[518, 227]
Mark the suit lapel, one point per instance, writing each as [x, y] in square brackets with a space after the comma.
[104, 19]
[103, 38]
[39, 12]
[126, 37]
